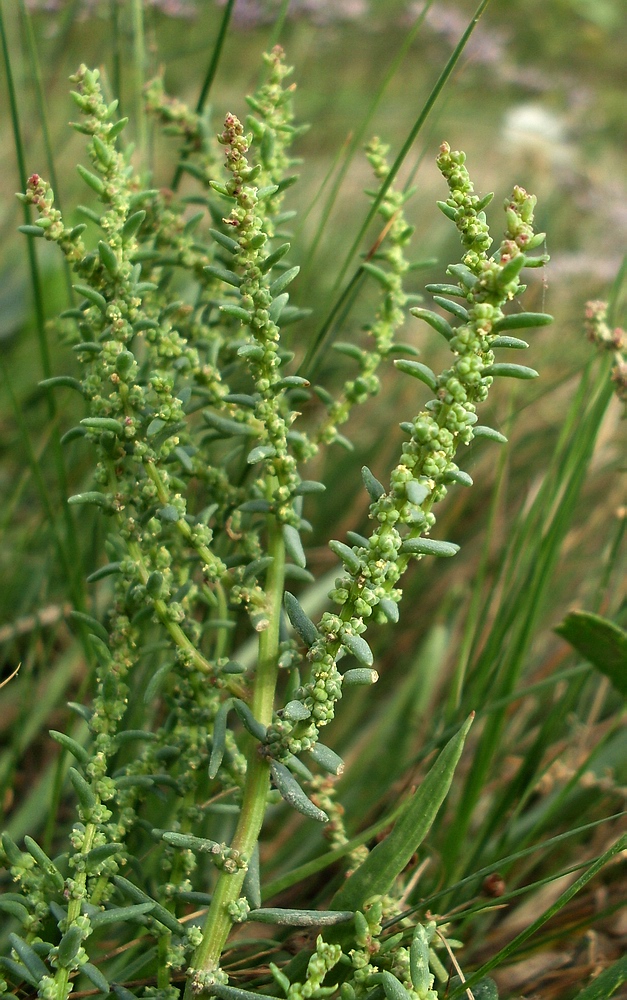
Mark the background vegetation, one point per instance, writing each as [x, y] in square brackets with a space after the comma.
[537, 99]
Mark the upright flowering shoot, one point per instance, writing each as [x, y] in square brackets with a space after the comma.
[403, 512]
[210, 680]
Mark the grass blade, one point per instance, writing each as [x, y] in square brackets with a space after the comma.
[311, 358]
[116, 53]
[566, 896]
[501, 662]
[139, 70]
[72, 560]
[501, 865]
[358, 136]
[207, 83]
[35, 69]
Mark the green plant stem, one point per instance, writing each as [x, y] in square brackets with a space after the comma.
[228, 886]
[161, 610]
[74, 908]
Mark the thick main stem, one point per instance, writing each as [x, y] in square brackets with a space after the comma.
[229, 886]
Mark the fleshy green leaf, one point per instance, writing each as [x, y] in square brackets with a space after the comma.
[301, 622]
[225, 241]
[29, 957]
[599, 641]
[221, 273]
[252, 884]
[158, 912]
[300, 918]
[511, 342]
[107, 256]
[102, 424]
[358, 646]
[453, 307]
[437, 322]
[92, 296]
[268, 263]
[44, 862]
[359, 675]
[61, 380]
[485, 989]
[121, 913]
[293, 794]
[521, 321]
[68, 946]
[373, 486]
[283, 281]
[91, 497]
[90, 623]
[294, 545]
[94, 182]
[394, 989]
[70, 745]
[254, 727]
[481, 431]
[429, 547]
[326, 758]
[96, 977]
[132, 224]
[419, 960]
[219, 738]
[309, 486]
[417, 370]
[510, 371]
[259, 453]
[346, 554]
[83, 791]
[230, 428]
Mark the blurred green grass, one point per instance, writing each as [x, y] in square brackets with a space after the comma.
[537, 100]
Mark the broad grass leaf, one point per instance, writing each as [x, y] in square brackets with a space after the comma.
[388, 859]
[606, 984]
[485, 989]
[601, 642]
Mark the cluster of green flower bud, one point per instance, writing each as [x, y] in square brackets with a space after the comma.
[322, 789]
[373, 566]
[257, 295]
[325, 957]
[177, 119]
[405, 972]
[238, 910]
[32, 878]
[368, 928]
[273, 131]
[390, 315]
